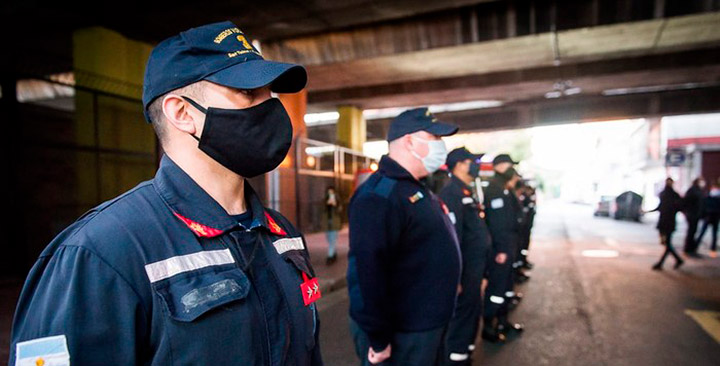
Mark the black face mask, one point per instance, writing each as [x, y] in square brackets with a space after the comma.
[250, 141]
[507, 175]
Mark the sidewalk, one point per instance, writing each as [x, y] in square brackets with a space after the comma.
[331, 278]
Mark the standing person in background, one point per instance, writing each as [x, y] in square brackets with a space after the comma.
[526, 196]
[333, 221]
[692, 205]
[474, 238]
[502, 215]
[404, 261]
[670, 204]
[711, 217]
[524, 231]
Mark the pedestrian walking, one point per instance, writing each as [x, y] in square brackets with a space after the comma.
[670, 204]
[711, 218]
[692, 206]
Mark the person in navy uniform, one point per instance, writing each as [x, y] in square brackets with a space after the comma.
[404, 261]
[503, 218]
[528, 200]
[188, 268]
[474, 238]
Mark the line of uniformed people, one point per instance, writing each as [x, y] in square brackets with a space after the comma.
[430, 262]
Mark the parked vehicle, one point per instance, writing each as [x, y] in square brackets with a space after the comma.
[628, 206]
[606, 206]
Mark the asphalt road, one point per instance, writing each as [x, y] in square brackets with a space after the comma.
[581, 309]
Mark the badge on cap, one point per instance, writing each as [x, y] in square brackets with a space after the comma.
[416, 197]
[310, 289]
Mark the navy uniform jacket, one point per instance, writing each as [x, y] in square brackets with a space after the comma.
[471, 229]
[160, 276]
[503, 216]
[404, 260]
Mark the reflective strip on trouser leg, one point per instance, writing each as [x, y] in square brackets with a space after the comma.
[458, 356]
[497, 299]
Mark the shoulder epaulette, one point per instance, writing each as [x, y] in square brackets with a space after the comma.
[384, 187]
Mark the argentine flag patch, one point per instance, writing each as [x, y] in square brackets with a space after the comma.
[48, 351]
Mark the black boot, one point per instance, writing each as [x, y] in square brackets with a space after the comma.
[490, 332]
[507, 327]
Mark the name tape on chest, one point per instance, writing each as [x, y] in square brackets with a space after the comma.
[467, 200]
[497, 203]
[47, 351]
[285, 244]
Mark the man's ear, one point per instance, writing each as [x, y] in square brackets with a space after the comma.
[179, 114]
[408, 142]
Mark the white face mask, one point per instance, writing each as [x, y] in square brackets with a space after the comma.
[437, 154]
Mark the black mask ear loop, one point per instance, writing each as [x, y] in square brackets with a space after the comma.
[198, 107]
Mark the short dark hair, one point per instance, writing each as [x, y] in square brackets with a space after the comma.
[157, 117]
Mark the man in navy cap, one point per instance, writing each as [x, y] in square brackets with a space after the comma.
[404, 260]
[188, 268]
[467, 216]
[503, 213]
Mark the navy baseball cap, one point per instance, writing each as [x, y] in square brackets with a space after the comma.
[418, 119]
[219, 53]
[503, 158]
[458, 155]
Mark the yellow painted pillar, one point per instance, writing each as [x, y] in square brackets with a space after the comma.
[118, 149]
[351, 128]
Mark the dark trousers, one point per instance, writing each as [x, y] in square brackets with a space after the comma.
[499, 283]
[408, 348]
[666, 240]
[524, 244]
[713, 221]
[692, 221]
[463, 327]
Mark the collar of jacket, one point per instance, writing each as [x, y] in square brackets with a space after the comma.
[458, 182]
[200, 212]
[391, 169]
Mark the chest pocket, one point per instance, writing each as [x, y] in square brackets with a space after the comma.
[188, 297]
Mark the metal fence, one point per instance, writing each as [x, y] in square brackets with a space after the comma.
[320, 165]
